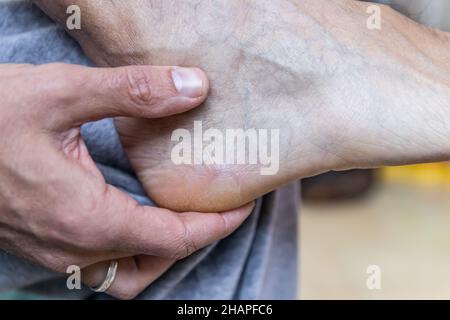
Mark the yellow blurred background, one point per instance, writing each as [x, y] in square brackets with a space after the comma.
[401, 224]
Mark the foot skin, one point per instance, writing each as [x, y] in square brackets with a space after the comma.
[341, 97]
[253, 86]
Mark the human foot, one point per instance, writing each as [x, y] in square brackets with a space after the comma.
[321, 97]
[341, 96]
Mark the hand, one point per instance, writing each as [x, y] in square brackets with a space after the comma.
[342, 96]
[56, 209]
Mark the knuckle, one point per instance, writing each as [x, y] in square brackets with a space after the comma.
[140, 88]
[183, 243]
[223, 224]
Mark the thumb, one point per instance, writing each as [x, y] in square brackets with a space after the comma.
[87, 94]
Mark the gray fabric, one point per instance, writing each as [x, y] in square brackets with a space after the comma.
[258, 261]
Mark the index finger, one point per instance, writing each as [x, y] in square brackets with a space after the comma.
[167, 234]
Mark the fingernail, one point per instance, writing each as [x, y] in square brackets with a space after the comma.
[188, 81]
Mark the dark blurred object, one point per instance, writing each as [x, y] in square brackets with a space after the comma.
[335, 186]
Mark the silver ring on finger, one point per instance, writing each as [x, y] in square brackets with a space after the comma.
[110, 277]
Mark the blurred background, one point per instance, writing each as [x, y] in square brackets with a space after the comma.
[395, 218]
